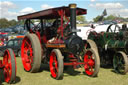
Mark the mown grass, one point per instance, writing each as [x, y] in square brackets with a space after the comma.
[105, 77]
[81, 25]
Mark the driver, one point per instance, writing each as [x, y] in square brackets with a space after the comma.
[53, 30]
[56, 23]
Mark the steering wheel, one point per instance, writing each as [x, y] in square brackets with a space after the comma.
[117, 28]
[35, 28]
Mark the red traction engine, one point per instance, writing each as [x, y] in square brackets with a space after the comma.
[8, 66]
[57, 45]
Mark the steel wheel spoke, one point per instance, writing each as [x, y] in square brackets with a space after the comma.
[89, 60]
[28, 44]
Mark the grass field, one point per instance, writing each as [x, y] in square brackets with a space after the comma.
[81, 25]
[105, 77]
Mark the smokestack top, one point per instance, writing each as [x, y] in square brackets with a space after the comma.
[72, 5]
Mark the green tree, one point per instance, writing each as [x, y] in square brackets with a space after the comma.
[96, 19]
[81, 18]
[127, 19]
[12, 22]
[4, 23]
[111, 17]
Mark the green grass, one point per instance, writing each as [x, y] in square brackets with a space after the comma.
[105, 77]
[81, 25]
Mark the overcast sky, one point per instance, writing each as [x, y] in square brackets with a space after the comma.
[10, 9]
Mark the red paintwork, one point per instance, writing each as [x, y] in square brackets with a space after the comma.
[27, 54]
[61, 13]
[67, 20]
[1, 64]
[89, 63]
[7, 66]
[3, 33]
[73, 61]
[54, 13]
[74, 64]
[60, 29]
[44, 39]
[19, 36]
[53, 68]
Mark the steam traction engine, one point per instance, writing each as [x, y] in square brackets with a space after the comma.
[8, 66]
[112, 46]
[58, 44]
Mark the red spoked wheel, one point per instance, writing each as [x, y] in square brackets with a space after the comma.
[9, 63]
[56, 64]
[31, 53]
[92, 62]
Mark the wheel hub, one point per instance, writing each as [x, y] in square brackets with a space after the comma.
[91, 62]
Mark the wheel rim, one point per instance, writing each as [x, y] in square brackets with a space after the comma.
[27, 54]
[119, 63]
[8, 66]
[89, 63]
[91, 44]
[53, 65]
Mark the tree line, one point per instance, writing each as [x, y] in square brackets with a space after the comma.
[110, 17]
[5, 23]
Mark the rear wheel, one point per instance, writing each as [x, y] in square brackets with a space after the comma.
[9, 63]
[31, 53]
[56, 64]
[92, 62]
[120, 62]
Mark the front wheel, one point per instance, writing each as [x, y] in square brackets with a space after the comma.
[56, 64]
[120, 62]
[9, 63]
[92, 62]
